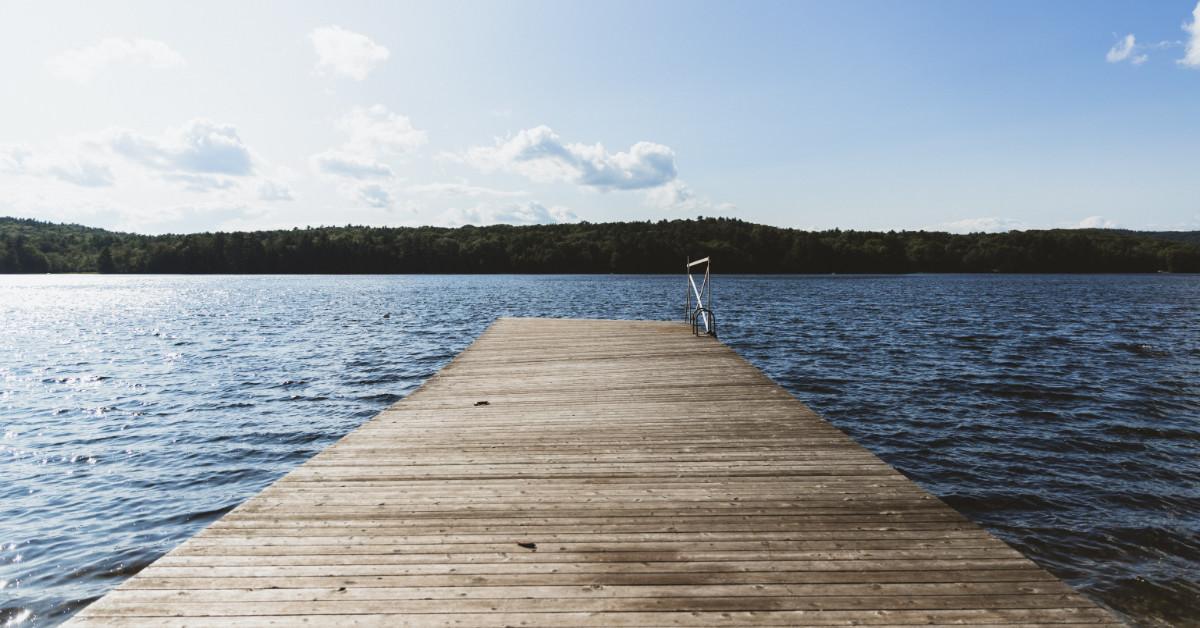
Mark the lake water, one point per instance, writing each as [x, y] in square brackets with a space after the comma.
[1061, 412]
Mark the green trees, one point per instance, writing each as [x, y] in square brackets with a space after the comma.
[104, 261]
[29, 246]
[22, 256]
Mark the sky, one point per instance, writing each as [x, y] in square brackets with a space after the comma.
[159, 117]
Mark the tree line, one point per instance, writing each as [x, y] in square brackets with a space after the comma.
[31, 246]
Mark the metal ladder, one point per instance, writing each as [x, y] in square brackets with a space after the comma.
[701, 316]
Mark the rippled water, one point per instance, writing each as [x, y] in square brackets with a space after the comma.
[1062, 412]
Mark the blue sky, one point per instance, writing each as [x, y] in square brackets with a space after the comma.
[158, 117]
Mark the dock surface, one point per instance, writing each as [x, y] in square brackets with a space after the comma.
[575, 472]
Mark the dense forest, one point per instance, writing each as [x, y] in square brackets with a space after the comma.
[30, 246]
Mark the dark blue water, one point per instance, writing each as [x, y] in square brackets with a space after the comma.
[1063, 413]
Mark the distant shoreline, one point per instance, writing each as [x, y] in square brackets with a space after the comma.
[552, 274]
[641, 248]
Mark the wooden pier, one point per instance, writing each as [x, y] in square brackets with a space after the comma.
[580, 472]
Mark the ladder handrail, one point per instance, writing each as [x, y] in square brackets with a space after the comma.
[702, 313]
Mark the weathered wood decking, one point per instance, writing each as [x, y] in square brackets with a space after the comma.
[663, 479]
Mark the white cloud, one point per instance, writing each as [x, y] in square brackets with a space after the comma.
[1096, 222]
[200, 146]
[527, 213]
[65, 166]
[346, 53]
[83, 178]
[375, 195]
[1125, 50]
[988, 224]
[274, 191]
[372, 133]
[678, 196]
[1191, 55]
[675, 194]
[198, 182]
[375, 130]
[13, 159]
[533, 212]
[460, 189]
[85, 64]
[81, 171]
[540, 155]
[348, 165]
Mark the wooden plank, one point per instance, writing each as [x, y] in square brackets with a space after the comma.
[587, 579]
[565, 592]
[620, 473]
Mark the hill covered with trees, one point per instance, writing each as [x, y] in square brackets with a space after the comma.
[30, 246]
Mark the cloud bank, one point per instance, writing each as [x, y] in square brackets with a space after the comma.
[372, 134]
[70, 168]
[1097, 222]
[988, 224]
